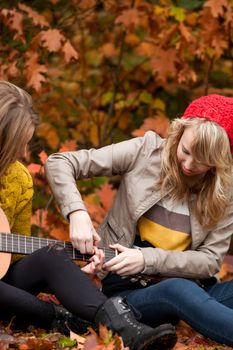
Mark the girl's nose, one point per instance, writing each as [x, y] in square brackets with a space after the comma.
[189, 164]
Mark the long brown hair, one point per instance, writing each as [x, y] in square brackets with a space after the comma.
[210, 147]
[17, 120]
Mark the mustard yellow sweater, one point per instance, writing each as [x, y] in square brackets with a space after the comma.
[16, 191]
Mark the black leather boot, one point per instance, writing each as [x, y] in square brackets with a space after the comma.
[64, 322]
[117, 315]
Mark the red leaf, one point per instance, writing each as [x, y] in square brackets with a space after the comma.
[34, 71]
[34, 168]
[52, 39]
[130, 18]
[39, 218]
[60, 233]
[69, 145]
[37, 19]
[106, 194]
[163, 62]
[159, 124]
[216, 6]
[69, 52]
[14, 21]
[12, 70]
[43, 157]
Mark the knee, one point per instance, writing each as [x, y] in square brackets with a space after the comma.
[176, 287]
[50, 253]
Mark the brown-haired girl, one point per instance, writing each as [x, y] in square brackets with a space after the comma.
[49, 268]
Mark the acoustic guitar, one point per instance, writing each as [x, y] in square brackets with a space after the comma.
[20, 244]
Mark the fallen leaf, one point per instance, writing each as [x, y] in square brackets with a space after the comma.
[216, 6]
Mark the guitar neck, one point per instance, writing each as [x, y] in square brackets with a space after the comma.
[20, 244]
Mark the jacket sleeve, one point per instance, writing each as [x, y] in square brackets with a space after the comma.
[203, 262]
[64, 169]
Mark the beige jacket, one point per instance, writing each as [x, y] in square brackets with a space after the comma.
[138, 161]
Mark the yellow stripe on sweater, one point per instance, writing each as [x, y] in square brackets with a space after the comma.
[162, 237]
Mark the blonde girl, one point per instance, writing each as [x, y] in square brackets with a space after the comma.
[175, 204]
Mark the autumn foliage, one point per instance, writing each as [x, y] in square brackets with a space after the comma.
[102, 71]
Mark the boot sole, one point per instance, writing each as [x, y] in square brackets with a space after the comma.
[164, 340]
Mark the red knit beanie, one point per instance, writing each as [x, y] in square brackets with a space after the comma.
[214, 107]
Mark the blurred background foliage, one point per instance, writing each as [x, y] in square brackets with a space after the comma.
[104, 71]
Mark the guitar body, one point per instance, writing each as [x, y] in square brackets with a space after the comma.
[5, 258]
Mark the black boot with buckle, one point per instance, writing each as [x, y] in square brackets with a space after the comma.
[64, 322]
[117, 315]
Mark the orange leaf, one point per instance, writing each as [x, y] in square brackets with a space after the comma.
[103, 332]
[14, 21]
[216, 6]
[12, 70]
[37, 19]
[106, 194]
[43, 157]
[69, 145]
[185, 32]
[86, 4]
[39, 218]
[159, 124]
[108, 50]
[129, 18]
[163, 62]
[146, 49]
[34, 168]
[60, 233]
[34, 71]
[69, 52]
[94, 136]
[97, 213]
[52, 39]
[49, 133]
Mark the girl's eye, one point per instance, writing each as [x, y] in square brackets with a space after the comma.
[185, 150]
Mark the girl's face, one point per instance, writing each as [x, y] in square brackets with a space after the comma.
[189, 166]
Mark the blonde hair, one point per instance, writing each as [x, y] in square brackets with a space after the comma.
[17, 119]
[211, 147]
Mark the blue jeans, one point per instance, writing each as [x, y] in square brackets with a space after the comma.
[209, 310]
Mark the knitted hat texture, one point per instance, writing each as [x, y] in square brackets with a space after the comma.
[214, 107]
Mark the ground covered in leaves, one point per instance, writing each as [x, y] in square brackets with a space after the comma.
[37, 339]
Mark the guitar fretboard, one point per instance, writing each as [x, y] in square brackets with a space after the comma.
[20, 244]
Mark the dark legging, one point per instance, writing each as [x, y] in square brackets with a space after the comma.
[47, 270]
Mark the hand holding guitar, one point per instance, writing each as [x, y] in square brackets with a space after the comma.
[96, 262]
[129, 262]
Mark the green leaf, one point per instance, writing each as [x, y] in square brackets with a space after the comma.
[178, 13]
[106, 98]
[65, 341]
[146, 97]
[190, 4]
[130, 61]
[159, 104]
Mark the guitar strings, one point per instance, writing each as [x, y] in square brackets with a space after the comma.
[31, 244]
